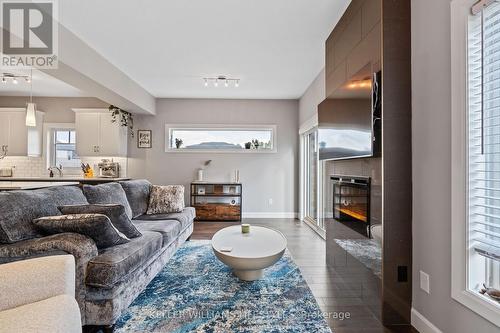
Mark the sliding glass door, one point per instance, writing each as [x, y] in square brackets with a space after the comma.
[311, 173]
[311, 176]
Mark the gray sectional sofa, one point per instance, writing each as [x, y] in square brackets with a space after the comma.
[107, 280]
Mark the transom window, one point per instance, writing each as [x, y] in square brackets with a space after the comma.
[220, 138]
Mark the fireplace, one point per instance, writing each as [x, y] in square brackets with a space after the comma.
[351, 202]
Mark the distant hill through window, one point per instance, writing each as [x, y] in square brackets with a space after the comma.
[214, 145]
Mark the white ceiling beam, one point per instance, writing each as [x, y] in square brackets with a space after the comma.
[83, 68]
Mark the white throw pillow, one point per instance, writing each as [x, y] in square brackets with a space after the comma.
[166, 199]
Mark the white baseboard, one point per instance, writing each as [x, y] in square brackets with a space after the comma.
[422, 324]
[270, 215]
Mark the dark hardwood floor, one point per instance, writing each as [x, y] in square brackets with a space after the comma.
[340, 291]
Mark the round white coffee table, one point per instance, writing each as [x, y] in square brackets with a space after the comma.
[248, 254]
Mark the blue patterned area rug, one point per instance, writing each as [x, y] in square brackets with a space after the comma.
[195, 292]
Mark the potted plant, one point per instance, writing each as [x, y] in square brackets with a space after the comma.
[178, 143]
[256, 144]
[248, 145]
[125, 118]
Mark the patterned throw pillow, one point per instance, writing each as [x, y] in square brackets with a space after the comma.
[96, 226]
[116, 214]
[166, 199]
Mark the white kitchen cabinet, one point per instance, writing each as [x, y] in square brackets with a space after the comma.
[113, 137]
[18, 136]
[20, 139]
[87, 133]
[97, 135]
[4, 129]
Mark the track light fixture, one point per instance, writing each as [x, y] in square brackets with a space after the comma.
[14, 78]
[227, 81]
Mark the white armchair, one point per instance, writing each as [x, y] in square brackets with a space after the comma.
[38, 295]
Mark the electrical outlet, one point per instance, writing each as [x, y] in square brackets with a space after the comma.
[270, 201]
[402, 273]
[425, 282]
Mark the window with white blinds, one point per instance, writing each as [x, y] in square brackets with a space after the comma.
[484, 147]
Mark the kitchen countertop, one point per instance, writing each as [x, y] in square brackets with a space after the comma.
[10, 186]
[78, 179]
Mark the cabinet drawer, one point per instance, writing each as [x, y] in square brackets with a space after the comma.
[217, 212]
[228, 212]
[205, 212]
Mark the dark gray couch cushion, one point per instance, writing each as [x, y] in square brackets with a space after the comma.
[96, 226]
[169, 229]
[185, 217]
[116, 213]
[112, 265]
[19, 208]
[137, 192]
[110, 193]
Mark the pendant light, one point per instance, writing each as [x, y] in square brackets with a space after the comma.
[31, 107]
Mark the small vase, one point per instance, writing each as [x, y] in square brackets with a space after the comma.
[200, 175]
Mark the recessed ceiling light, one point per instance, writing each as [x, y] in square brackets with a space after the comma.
[14, 80]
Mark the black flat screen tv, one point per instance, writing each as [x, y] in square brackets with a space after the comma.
[349, 125]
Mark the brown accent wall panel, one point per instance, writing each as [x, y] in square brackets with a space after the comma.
[397, 181]
[377, 32]
[336, 78]
[368, 50]
[370, 14]
[348, 39]
[354, 42]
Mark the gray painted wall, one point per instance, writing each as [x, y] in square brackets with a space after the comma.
[264, 175]
[431, 132]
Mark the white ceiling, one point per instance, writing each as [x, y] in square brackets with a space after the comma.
[43, 85]
[276, 47]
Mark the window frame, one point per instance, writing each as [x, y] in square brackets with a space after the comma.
[49, 145]
[170, 127]
[460, 10]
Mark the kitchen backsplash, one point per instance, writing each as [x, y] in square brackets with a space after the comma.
[24, 166]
